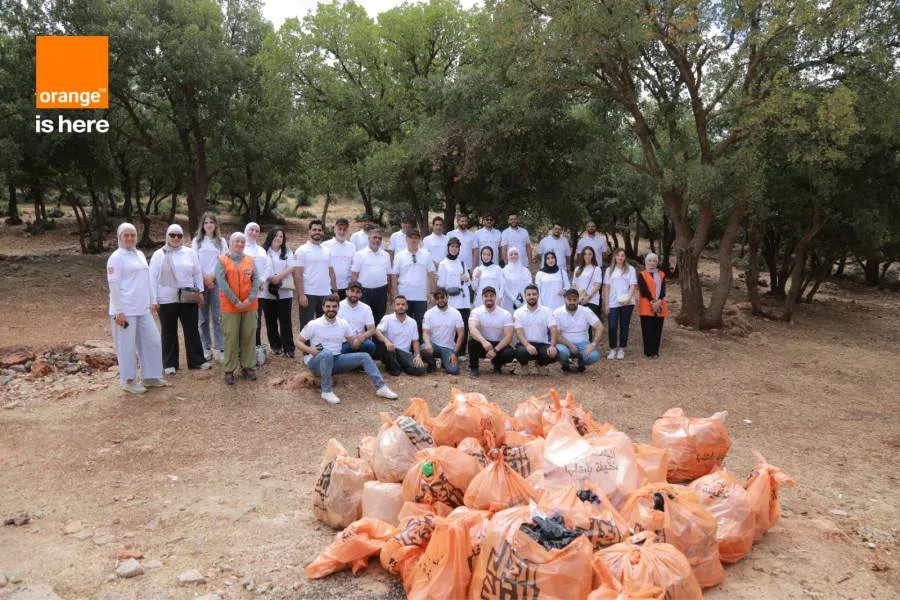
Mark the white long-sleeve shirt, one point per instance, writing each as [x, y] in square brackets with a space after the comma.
[130, 273]
[209, 251]
[186, 267]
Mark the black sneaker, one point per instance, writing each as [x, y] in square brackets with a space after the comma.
[289, 354]
[276, 352]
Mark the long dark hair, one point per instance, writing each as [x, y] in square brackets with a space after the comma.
[583, 263]
[271, 237]
[201, 233]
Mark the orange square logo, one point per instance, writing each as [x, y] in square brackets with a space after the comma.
[72, 71]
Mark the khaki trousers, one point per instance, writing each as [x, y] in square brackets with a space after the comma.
[239, 330]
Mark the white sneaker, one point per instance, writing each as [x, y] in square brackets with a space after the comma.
[219, 356]
[134, 388]
[207, 355]
[330, 398]
[154, 383]
[612, 354]
[170, 371]
[385, 392]
[206, 366]
[620, 354]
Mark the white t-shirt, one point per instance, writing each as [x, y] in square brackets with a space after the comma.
[315, 260]
[373, 267]
[130, 271]
[209, 251]
[574, 327]
[360, 239]
[589, 277]
[359, 317]
[330, 335]
[412, 280]
[276, 266]
[260, 262]
[398, 242]
[535, 324]
[400, 333]
[619, 282]
[549, 285]
[449, 275]
[491, 323]
[560, 247]
[341, 254]
[598, 243]
[436, 245]
[186, 266]
[491, 276]
[485, 237]
[466, 243]
[516, 238]
[442, 324]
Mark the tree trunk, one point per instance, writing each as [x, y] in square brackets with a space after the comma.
[366, 198]
[80, 218]
[13, 218]
[128, 205]
[885, 267]
[173, 207]
[325, 208]
[40, 212]
[712, 316]
[870, 268]
[113, 206]
[842, 263]
[799, 264]
[668, 240]
[97, 222]
[626, 237]
[813, 290]
[449, 212]
[752, 273]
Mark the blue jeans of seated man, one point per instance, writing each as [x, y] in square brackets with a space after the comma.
[325, 364]
[564, 355]
[442, 353]
[368, 346]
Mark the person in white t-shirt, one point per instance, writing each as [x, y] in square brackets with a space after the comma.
[398, 335]
[131, 304]
[466, 241]
[209, 246]
[552, 282]
[487, 274]
[588, 281]
[486, 237]
[536, 330]
[321, 340]
[362, 322]
[490, 334]
[398, 238]
[340, 251]
[174, 268]
[592, 239]
[454, 278]
[413, 277]
[444, 334]
[574, 323]
[372, 268]
[436, 242]
[516, 277]
[314, 273]
[278, 297]
[261, 266]
[360, 238]
[515, 237]
[619, 294]
[557, 243]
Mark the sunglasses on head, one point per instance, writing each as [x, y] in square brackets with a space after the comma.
[176, 235]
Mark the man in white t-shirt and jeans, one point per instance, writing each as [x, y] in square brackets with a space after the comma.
[593, 239]
[466, 242]
[398, 337]
[372, 268]
[574, 322]
[341, 251]
[321, 341]
[490, 333]
[559, 245]
[314, 273]
[398, 238]
[536, 329]
[443, 331]
[486, 236]
[362, 323]
[412, 276]
[436, 243]
[518, 238]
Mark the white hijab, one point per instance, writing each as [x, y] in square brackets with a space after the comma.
[167, 273]
[515, 275]
[654, 271]
[247, 234]
[124, 227]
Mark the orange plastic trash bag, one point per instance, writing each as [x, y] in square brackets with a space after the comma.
[443, 572]
[642, 561]
[513, 565]
[408, 540]
[763, 485]
[366, 449]
[473, 447]
[498, 486]
[440, 476]
[382, 501]
[569, 410]
[467, 415]
[653, 461]
[528, 416]
[606, 459]
[352, 548]
[676, 515]
[337, 496]
[696, 446]
[523, 453]
[589, 509]
[725, 498]
[419, 412]
[396, 447]
[607, 587]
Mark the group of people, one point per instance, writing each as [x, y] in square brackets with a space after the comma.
[484, 301]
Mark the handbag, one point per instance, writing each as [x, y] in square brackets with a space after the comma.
[454, 291]
[273, 289]
[288, 282]
[189, 295]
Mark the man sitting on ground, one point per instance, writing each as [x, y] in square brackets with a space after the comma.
[362, 323]
[443, 332]
[573, 322]
[321, 340]
[536, 330]
[398, 335]
[490, 333]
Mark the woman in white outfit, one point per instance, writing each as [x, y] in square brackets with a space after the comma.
[488, 274]
[552, 282]
[278, 297]
[515, 277]
[619, 294]
[589, 281]
[131, 300]
[177, 282]
[454, 277]
[261, 265]
[209, 245]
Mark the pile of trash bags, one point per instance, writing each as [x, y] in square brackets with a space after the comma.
[545, 503]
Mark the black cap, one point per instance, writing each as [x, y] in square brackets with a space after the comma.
[488, 289]
[342, 221]
[354, 284]
[571, 292]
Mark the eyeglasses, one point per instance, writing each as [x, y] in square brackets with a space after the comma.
[414, 258]
[176, 235]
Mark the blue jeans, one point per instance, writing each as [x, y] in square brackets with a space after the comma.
[209, 315]
[442, 353]
[368, 346]
[619, 323]
[564, 355]
[325, 364]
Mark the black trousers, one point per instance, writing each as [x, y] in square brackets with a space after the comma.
[464, 313]
[313, 310]
[540, 358]
[476, 353]
[416, 309]
[651, 330]
[279, 329]
[595, 308]
[398, 361]
[376, 298]
[169, 316]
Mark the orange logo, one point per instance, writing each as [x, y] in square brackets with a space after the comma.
[72, 71]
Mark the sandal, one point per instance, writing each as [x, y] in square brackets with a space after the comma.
[250, 374]
[229, 378]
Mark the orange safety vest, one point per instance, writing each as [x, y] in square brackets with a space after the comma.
[240, 280]
[644, 307]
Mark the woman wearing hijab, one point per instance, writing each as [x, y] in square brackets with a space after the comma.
[261, 264]
[454, 277]
[177, 281]
[278, 296]
[552, 282]
[515, 278]
[238, 284]
[652, 306]
[487, 274]
[589, 281]
[209, 245]
[619, 286]
[131, 301]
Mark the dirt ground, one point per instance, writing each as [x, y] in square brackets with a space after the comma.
[202, 476]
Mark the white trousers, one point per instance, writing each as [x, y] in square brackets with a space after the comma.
[139, 339]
